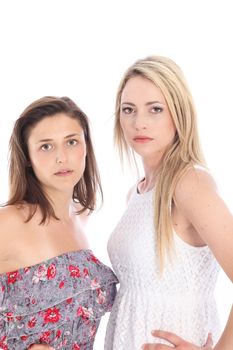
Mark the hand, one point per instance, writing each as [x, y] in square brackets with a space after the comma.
[177, 342]
[40, 347]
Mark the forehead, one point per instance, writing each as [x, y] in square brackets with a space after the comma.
[59, 124]
[141, 89]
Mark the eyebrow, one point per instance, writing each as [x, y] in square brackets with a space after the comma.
[147, 104]
[66, 137]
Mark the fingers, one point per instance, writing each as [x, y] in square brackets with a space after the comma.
[209, 341]
[170, 337]
[175, 340]
[156, 347]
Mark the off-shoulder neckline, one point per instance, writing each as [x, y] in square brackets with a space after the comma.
[47, 261]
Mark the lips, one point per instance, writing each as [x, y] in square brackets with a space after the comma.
[142, 139]
[63, 172]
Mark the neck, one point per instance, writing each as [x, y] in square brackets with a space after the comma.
[62, 205]
[151, 170]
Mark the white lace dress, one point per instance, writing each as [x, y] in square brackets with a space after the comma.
[181, 301]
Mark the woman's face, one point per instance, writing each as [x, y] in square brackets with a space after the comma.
[145, 119]
[57, 152]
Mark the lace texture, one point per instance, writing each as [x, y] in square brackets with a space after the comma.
[180, 301]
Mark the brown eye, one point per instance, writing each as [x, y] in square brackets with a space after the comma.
[46, 147]
[72, 142]
[157, 109]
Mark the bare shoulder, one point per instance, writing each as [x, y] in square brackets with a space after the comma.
[8, 214]
[11, 217]
[195, 182]
[197, 199]
[11, 222]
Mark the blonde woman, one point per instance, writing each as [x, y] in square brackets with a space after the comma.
[176, 230]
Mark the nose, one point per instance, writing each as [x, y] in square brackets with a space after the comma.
[61, 156]
[140, 122]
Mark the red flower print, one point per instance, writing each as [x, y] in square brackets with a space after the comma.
[3, 345]
[94, 259]
[76, 347]
[52, 315]
[9, 316]
[101, 296]
[85, 272]
[69, 301]
[51, 272]
[84, 312]
[32, 322]
[74, 271]
[40, 274]
[12, 277]
[61, 285]
[24, 337]
[93, 331]
[58, 334]
[26, 270]
[94, 283]
[64, 342]
[45, 337]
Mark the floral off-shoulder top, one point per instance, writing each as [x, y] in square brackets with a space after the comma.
[57, 302]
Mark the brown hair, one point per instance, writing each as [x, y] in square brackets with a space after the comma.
[24, 185]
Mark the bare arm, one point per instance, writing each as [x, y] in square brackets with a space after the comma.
[198, 200]
[226, 340]
[196, 197]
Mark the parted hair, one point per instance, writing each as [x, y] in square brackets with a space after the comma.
[24, 185]
[185, 150]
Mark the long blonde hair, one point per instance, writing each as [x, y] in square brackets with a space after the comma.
[185, 150]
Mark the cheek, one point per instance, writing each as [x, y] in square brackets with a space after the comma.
[81, 152]
[122, 123]
[41, 163]
[80, 156]
[124, 126]
[39, 160]
[169, 129]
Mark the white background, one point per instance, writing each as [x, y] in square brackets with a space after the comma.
[81, 49]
